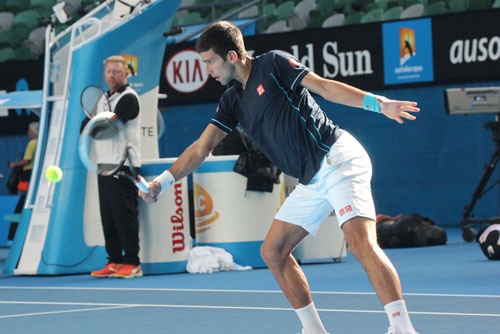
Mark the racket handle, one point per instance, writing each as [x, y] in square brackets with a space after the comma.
[142, 184]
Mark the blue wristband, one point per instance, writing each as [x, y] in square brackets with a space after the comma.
[370, 103]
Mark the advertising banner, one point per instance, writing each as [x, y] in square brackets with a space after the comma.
[331, 53]
[407, 49]
[467, 47]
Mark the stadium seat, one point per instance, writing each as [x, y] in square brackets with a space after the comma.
[496, 4]
[392, 14]
[295, 22]
[44, 7]
[327, 7]
[187, 3]
[6, 19]
[220, 11]
[415, 10]
[435, 8]
[268, 20]
[191, 18]
[384, 4]
[480, 4]
[316, 19]
[374, 15]
[303, 9]
[278, 26]
[24, 53]
[284, 10]
[368, 7]
[14, 37]
[16, 6]
[249, 12]
[408, 3]
[28, 18]
[458, 5]
[334, 21]
[351, 6]
[203, 2]
[35, 41]
[268, 9]
[353, 18]
[6, 54]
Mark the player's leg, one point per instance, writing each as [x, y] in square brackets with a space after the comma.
[276, 251]
[361, 236]
[350, 193]
[301, 214]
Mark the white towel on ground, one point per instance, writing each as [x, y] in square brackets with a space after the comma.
[207, 259]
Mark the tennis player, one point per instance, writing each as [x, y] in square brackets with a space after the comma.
[271, 100]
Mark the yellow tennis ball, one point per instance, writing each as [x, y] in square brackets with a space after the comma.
[53, 174]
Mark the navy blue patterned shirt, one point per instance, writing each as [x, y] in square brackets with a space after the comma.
[279, 115]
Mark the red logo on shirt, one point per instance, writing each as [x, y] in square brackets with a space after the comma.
[348, 208]
[342, 212]
[397, 314]
[260, 90]
[292, 62]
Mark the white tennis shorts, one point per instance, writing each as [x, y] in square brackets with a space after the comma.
[342, 184]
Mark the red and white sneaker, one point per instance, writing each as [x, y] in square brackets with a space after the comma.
[129, 271]
[109, 270]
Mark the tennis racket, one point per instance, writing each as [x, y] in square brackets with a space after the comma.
[104, 149]
[91, 97]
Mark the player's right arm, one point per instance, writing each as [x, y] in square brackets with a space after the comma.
[197, 152]
[189, 160]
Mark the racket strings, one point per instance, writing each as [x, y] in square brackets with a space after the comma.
[90, 98]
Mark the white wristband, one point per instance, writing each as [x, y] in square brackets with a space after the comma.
[165, 179]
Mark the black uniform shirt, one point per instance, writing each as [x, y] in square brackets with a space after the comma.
[128, 106]
[279, 115]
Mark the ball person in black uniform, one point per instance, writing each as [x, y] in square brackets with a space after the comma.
[271, 100]
[117, 193]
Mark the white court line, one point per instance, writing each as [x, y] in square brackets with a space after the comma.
[113, 305]
[238, 291]
[64, 311]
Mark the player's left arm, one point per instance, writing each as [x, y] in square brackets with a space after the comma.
[338, 92]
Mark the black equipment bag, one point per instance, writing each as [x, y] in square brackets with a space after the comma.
[410, 231]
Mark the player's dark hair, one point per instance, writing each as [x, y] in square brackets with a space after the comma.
[222, 37]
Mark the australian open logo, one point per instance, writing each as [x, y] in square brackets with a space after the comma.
[408, 50]
[406, 44]
[204, 212]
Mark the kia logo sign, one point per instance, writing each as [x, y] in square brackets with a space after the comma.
[185, 72]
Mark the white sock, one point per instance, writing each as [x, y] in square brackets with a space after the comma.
[398, 316]
[310, 320]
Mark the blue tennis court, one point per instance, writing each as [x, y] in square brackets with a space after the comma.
[448, 289]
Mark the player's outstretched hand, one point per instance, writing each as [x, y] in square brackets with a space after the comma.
[154, 191]
[397, 110]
